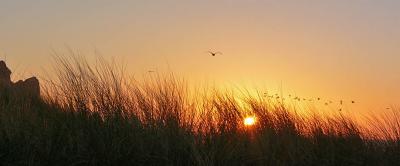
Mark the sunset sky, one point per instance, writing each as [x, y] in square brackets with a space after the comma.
[338, 49]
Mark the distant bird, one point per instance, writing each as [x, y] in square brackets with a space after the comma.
[319, 98]
[388, 108]
[214, 53]
[353, 101]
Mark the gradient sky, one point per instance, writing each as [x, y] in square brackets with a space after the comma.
[337, 49]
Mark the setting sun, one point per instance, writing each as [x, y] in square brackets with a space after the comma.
[249, 121]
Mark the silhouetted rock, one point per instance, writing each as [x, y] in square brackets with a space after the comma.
[30, 87]
[5, 75]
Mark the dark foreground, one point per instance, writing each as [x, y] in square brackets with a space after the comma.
[36, 133]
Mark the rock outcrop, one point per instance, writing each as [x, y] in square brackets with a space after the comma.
[30, 87]
[5, 75]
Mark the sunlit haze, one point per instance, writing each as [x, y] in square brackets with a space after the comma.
[333, 50]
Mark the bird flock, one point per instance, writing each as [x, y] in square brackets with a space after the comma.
[301, 99]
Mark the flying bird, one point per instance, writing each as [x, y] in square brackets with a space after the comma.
[214, 53]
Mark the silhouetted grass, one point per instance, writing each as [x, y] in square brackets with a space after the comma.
[95, 115]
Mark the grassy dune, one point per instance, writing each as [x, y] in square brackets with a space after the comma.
[94, 115]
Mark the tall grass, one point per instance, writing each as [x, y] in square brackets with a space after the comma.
[95, 115]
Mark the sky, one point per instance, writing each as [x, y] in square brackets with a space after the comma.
[337, 49]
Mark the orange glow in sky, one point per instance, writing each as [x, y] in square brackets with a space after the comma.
[334, 50]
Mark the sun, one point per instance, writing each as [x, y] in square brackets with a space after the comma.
[249, 121]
